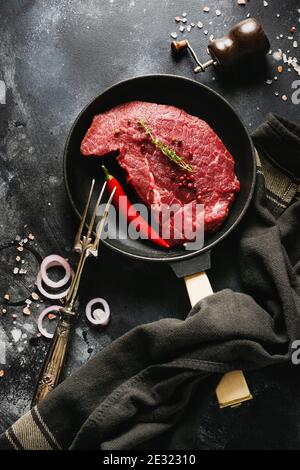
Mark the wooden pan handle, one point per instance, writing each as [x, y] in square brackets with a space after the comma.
[232, 389]
[198, 287]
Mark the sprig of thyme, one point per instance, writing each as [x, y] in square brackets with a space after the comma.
[165, 150]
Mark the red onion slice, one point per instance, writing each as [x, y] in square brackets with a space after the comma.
[48, 295]
[51, 309]
[98, 316]
[51, 261]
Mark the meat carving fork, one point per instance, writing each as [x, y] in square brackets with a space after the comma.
[83, 244]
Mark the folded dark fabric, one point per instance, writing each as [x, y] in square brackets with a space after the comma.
[139, 388]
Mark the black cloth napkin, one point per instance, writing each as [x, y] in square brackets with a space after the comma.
[139, 388]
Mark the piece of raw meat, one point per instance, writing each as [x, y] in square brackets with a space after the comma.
[153, 176]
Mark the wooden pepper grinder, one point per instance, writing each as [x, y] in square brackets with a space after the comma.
[246, 40]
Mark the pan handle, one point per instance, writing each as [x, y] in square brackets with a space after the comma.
[193, 272]
[232, 389]
[198, 287]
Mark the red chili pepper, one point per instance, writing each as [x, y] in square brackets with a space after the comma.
[133, 215]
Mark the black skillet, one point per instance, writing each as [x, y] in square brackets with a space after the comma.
[197, 100]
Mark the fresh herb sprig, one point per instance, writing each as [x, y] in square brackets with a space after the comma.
[165, 150]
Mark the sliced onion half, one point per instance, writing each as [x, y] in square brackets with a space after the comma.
[42, 315]
[98, 316]
[50, 262]
[48, 295]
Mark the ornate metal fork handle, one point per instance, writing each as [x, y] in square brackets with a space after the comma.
[53, 365]
[55, 359]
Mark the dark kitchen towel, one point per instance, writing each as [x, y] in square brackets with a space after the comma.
[140, 387]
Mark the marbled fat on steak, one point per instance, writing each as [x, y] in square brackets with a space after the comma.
[153, 176]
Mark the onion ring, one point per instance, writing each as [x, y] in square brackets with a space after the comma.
[52, 308]
[99, 316]
[46, 294]
[51, 261]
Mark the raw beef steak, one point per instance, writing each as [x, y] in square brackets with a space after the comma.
[154, 177]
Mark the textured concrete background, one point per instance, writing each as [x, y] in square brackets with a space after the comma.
[55, 56]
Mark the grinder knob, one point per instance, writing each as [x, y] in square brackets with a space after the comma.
[179, 46]
[246, 40]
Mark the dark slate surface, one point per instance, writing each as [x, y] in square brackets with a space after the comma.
[55, 56]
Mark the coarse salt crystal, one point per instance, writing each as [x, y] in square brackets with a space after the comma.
[2, 92]
[200, 25]
[206, 9]
[16, 334]
[26, 311]
[174, 35]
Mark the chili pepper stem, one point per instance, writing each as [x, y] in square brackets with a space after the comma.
[108, 176]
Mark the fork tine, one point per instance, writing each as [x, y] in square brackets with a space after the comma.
[77, 241]
[94, 249]
[91, 224]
